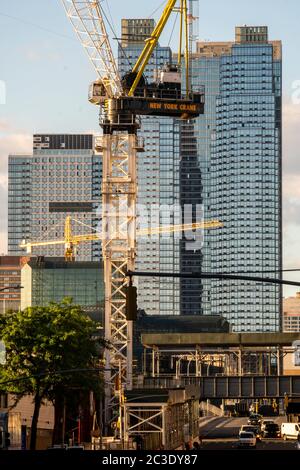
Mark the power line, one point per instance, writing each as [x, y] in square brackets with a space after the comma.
[111, 25]
[156, 9]
[42, 28]
[219, 276]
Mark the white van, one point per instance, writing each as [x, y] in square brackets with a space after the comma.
[290, 430]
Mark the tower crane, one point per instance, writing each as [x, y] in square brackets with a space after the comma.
[71, 240]
[121, 101]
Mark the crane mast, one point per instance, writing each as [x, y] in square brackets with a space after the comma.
[121, 100]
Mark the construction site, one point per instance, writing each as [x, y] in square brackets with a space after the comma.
[166, 371]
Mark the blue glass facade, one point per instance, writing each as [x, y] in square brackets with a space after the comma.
[239, 142]
[206, 72]
[158, 180]
[19, 201]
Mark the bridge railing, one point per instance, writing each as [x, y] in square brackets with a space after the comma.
[232, 386]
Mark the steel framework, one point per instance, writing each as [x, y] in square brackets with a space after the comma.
[87, 19]
[118, 247]
[118, 110]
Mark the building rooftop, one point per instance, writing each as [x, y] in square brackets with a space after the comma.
[182, 323]
[60, 263]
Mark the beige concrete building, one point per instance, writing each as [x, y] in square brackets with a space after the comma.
[291, 324]
[10, 281]
[20, 417]
[291, 314]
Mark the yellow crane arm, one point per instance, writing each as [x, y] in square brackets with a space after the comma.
[71, 240]
[150, 45]
[180, 228]
[29, 245]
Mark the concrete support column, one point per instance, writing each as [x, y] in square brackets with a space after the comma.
[279, 360]
[153, 362]
[240, 366]
[157, 363]
[163, 425]
[197, 364]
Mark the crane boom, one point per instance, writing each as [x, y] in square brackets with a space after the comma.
[150, 45]
[88, 22]
[71, 239]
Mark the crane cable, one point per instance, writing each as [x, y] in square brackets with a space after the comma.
[113, 30]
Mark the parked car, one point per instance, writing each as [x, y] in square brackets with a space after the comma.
[247, 439]
[254, 429]
[271, 430]
[290, 430]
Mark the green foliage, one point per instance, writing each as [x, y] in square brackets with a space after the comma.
[40, 342]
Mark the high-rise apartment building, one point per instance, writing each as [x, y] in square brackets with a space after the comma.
[19, 202]
[239, 152]
[158, 179]
[62, 177]
[10, 283]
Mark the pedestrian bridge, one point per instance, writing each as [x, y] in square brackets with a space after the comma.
[232, 386]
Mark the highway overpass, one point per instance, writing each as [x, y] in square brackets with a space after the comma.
[233, 387]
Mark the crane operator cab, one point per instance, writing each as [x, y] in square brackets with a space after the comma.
[98, 92]
[168, 81]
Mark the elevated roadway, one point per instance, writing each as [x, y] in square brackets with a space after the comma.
[219, 340]
[233, 387]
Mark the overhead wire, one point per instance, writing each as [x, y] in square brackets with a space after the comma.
[156, 10]
[173, 28]
[113, 30]
[35, 25]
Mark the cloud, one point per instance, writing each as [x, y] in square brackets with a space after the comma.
[291, 139]
[291, 163]
[41, 53]
[4, 125]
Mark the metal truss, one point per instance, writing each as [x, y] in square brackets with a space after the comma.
[144, 419]
[118, 247]
[88, 22]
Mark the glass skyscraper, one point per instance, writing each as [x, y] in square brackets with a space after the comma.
[239, 151]
[158, 179]
[62, 177]
[19, 202]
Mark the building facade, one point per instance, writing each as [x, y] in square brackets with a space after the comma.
[19, 201]
[239, 151]
[158, 180]
[291, 324]
[291, 314]
[10, 283]
[46, 279]
[62, 177]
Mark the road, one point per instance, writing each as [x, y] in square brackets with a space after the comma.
[222, 433]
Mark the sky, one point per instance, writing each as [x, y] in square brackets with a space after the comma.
[45, 74]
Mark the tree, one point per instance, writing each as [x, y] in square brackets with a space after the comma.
[42, 343]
